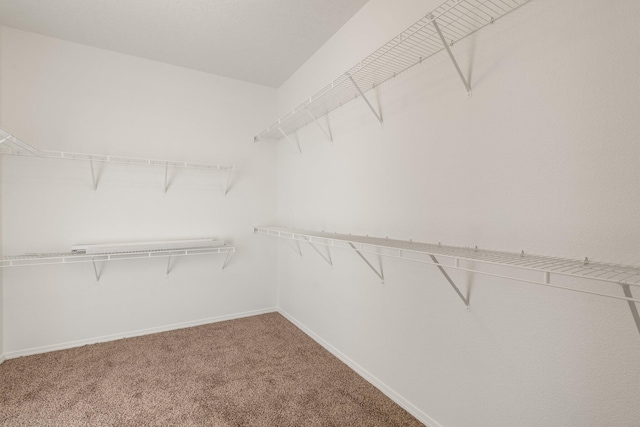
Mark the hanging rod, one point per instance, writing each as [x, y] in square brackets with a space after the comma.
[547, 267]
[454, 20]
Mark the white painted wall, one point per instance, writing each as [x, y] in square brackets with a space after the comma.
[58, 95]
[544, 157]
[1, 273]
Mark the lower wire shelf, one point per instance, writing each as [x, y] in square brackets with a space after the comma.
[467, 259]
[80, 257]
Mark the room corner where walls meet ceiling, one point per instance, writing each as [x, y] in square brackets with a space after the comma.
[253, 40]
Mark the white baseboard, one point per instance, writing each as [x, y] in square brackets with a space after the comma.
[390, 393]
[79, 343]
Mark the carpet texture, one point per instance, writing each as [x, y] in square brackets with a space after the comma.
[256, 371]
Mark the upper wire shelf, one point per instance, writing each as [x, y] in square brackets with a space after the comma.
[10, 144]
[454, 19]
[624, 275]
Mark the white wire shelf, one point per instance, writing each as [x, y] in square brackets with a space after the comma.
[75, 257]
[465, 259]
[13, 146]
[453, 20]
[80, 257]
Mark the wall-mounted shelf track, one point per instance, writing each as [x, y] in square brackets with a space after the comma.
[11, 145]
[470, 260]
[449, 23]
[139, 252]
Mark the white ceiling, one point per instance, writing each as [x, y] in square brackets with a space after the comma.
[259, 41]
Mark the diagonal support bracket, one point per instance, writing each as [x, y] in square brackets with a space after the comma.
[226, 185]
[296, 247]
[327, 259]
[453, 59]
[373, 110]
[93, 176]
[95, 270]
[446, 276]
[226, 260]
[295, 145]
[379, 274]
[328, 134]
[169, 265]
[166, 180]
[632, 305]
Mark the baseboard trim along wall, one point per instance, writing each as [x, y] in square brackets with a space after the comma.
[148, 331]
[390, 393]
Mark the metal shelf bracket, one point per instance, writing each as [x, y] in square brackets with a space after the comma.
[328, 133]
[326, 258]
[453, 59]
[453, 285]
[632, 305]
[226, 185]
[295, 145]
[373, 110]
[95, 270]
[166, 182]
[93, 176]
[380, 274]
[226, 260]
[296, 248]
[168, 265]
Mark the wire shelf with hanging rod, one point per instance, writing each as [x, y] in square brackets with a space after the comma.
[470, 260]
[449, 23]
[122, 251]
[11, 145]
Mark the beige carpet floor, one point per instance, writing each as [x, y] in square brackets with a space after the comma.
[256, 371]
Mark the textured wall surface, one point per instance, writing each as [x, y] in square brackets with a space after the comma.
[543, 158]
[63, 96]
